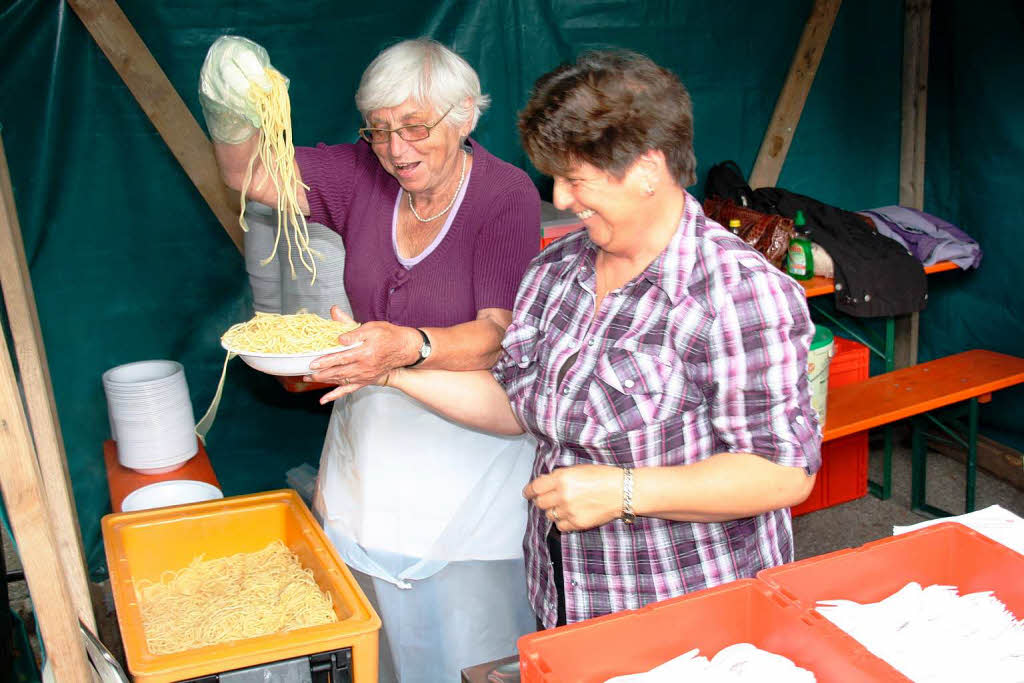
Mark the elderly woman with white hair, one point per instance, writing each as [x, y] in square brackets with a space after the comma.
[438, 233]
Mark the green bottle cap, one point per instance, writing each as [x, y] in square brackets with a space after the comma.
[799, 219]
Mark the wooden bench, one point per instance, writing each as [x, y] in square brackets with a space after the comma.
[915, 392]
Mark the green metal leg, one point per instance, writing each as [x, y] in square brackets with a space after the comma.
[972, 454]
[918, 467]
[920, 461]
[883, 491]
[890, 344]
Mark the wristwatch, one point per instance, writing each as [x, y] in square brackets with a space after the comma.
[424, 349]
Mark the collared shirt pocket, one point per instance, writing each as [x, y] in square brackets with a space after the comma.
[519, 364]
[630, 390]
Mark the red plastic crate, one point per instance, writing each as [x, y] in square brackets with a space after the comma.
[949, 554]
[747, 611]
[550, 233]
[844, 462]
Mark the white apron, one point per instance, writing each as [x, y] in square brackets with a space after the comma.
[397, 478]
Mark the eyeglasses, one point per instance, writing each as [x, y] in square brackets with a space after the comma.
[410, 133]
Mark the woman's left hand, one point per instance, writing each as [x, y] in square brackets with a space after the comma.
[578, 497]
[381, 348]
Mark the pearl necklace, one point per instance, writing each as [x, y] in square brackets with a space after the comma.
[443, 211]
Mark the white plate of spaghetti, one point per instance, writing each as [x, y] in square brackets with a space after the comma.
[285, 345]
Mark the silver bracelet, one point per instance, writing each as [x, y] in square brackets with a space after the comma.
[627, 496]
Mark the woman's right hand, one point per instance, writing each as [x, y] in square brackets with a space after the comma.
[232, 66]
[379, 348]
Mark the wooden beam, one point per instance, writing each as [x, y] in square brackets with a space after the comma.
[135, 64]
[34, 533]
[913, 117]
[997, 459]
[914, 108]
[42, 410]
[793, 95]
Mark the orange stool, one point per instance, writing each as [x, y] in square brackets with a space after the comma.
[121, 481]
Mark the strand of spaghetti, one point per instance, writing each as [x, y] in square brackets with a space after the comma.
[276, 152]
[280, 115]
[204, 424]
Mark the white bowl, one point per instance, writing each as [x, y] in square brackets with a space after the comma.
[172, 492]
[285, 364]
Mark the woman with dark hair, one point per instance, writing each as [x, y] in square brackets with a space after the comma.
[659, 361]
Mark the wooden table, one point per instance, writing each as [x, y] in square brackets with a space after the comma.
[121, 481]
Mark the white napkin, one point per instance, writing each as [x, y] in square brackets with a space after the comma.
[996, 522]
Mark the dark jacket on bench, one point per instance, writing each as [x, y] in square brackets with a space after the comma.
[875, 275]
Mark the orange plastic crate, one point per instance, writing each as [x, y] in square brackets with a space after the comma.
[949, 554]
[747, 610]
[844, 462]
[142, 545]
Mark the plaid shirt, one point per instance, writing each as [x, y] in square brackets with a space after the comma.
[704, 352]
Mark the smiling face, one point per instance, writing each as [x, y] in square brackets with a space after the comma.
[425, 166]
[610, 208]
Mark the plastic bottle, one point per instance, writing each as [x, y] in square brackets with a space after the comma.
[800, 258]
[734, 226]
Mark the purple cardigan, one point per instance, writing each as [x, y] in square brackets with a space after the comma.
[477, 265]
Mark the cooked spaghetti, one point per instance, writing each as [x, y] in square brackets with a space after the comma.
[231, 598]
[276, 333]
[276, 153]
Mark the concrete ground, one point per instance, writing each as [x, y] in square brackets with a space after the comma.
[843, 526]
[867, 519]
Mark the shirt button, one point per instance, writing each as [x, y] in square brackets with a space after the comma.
[565, 391]
[590, 342]
[573, 583]
[524, 359]
[799, 419]
[867, 297]
[547, 391]
[628, 384]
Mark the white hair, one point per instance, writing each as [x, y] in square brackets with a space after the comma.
[428, 72]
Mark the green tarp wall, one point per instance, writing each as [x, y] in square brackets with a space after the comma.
[128, 263]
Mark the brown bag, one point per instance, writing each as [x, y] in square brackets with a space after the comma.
[767, 233]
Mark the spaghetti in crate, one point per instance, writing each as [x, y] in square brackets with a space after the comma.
[143, 546]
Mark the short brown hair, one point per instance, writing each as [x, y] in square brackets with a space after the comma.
[607, 109]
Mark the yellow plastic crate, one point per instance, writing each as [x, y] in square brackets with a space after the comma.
[142, 545]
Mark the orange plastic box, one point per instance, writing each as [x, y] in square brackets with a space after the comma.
[142, 545]
[948, 554]
[844, 462]
[744, 611]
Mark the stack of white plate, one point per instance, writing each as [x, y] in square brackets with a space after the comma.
[151, 415]
[265, 280]
[273, 288]
[329, 288]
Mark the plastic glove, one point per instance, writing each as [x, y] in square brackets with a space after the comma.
[232, 65]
